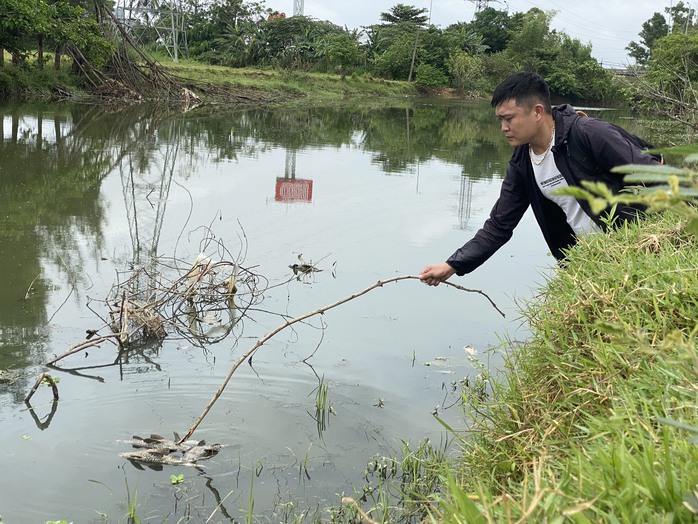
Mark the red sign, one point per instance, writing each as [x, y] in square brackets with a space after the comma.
[294, 190]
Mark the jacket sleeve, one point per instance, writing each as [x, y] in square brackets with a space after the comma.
[497, 229]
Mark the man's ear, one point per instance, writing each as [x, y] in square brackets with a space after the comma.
[539, 111]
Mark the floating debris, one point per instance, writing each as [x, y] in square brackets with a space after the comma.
[156, 451]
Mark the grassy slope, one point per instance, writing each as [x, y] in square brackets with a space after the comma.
[214, 84]
[578, 430]
[280, 85]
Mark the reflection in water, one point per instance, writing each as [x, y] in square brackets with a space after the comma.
[464, 201]
[292, 189]
[46, 422]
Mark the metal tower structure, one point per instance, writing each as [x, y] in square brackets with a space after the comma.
[167, 19]
[484, 4]
[298, 7]
[479, 4]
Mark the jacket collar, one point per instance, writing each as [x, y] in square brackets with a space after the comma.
[564, 116]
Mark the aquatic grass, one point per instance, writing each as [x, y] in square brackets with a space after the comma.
[398, 486]
[577, 425]
[323, 408]
[131, 514]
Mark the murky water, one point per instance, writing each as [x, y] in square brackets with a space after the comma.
[88, 194]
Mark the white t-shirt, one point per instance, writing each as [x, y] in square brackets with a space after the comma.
[549, 179]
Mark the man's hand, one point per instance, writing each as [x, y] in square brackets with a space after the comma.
[434, 274]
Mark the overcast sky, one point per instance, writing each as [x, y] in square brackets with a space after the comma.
[609, 25]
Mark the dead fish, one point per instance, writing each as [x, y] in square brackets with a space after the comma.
[155, 459]
[156, 451]
[155, 441]
[201, 452]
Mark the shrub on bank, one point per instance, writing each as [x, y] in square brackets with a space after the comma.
[594, 417]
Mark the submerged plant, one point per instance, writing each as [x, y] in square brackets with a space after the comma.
[323, 408]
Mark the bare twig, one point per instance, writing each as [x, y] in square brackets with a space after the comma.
[84, 345]
[123, 321]
[295, 320]
[49, 379]
[31, 286]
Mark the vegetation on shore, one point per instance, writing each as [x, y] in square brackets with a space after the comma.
[287, 85]
[213, 84]
[595, 418]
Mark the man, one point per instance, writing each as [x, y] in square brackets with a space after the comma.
[548, 144]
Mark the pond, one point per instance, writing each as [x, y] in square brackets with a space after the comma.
[91, 195]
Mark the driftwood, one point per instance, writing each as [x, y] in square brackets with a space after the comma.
[248, 354]
[48, 378]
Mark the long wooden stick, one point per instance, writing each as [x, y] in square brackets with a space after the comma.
[292, 321]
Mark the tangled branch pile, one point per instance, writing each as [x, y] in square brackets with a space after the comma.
[200, 302]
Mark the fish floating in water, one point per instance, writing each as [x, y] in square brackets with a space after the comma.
[156, 451]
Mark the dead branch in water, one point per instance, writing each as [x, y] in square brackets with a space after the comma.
[84, 345]
[200, 301]
[295, 320]
[48, 378]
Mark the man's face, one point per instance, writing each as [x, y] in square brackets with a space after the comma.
[519, 123]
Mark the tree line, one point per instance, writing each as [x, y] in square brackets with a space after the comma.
[469, 56]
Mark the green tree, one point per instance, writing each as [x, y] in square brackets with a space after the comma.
[495, 27]
[402, 13]
[461, 37]
[533, 45]
[683, 17]
[565, 62]
[71, 25]
[652, 30]
[466, 70]
[429, 76]
[293, 42]
[221, 31]
[341, 50]
[396, 61]
[26, 25]
[21, 23]
[672, 74]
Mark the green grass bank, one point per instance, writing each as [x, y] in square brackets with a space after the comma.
[213, 84]
[595, 418]
[286, 85]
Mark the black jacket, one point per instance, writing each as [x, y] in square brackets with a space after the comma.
[601, 140]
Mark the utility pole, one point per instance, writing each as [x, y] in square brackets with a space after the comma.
[298, 7]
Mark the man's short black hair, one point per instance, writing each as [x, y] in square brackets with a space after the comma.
[527, 89]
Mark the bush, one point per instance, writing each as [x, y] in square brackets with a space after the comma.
[429, 76]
